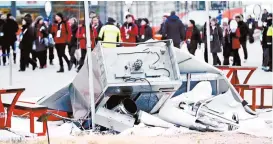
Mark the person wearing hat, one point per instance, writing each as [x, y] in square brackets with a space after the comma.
[41, 40]
[26, 43]
[244, 31]
[129, 31]
[10, 29]
[110, 33]
[81, 36]
[193, 37]
[145, 31]
[174, 29]
[216, 38]
[62, 36]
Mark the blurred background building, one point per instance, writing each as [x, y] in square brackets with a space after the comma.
[153, 10]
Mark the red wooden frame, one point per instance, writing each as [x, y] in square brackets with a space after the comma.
[233, 70]
[253, 88]
[5, 121]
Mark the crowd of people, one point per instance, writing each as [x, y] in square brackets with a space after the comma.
[227, 36]
[39, 37]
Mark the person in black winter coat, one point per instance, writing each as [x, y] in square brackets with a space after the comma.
[269, 41]
[251, 26]
[264, 46]
[244, 33]
[26, 42]
[73, 45]
[174, 29]
[97, 24]
[205, 41]
[9, 30]
[192, 37]
[264, 16]
[216, 40]
[162, 26]
[145, 31]
[227, 44]
[2, 23]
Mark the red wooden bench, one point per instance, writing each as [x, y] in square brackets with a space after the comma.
[31, 109]
[253, 88]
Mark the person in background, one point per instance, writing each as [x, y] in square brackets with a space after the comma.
[193, 37]
[227, 43]
[81, 35]
[129, 31]
[235, 40]
[110, 33]
[243, 34]
[62, 35]
[219, 17]
[41, 41]
[26, 42]
[251, 26]
[263, 39]
[269, 35]
[2, 23]
[205, 40]
[51, 43]
[96, 22]
[73, 45]
[162, 26]
[9, 30]
[145, 31]
[174, 29]
[264, 16]
[216, 39]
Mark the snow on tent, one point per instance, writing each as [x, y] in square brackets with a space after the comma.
[153, 83]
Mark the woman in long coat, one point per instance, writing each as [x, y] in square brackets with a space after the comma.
[216, 36]
[193, 37]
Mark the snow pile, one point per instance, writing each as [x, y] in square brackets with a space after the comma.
[6, 136]
[143, 130]
[261, 126]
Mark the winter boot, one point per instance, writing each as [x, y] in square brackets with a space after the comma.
[61, 70]
[69, 65]
[51, 62]
[34, 66]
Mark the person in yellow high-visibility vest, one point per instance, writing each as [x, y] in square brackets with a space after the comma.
[269, 40]
[110, 33]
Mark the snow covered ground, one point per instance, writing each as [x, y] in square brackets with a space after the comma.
[43, 82]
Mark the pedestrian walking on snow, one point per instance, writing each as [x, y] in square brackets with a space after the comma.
[26, 43]
[174, 29]
[62, 36]
[193, 38]
[216, 39]
[41, 41]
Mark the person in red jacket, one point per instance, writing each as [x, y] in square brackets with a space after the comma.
[81, 35]
[62, 36]
[129, 31]
[236, 45]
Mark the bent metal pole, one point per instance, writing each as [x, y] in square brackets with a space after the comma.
[208, 32]
[90, 67]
